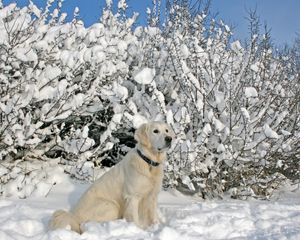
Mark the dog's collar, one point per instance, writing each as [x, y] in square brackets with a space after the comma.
[147, 160]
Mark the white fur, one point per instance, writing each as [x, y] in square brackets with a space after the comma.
[128, 190]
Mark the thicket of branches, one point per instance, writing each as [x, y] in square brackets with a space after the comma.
[72, 95]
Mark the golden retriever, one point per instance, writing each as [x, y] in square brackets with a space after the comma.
[129, 189]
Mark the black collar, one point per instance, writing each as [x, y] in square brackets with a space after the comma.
[147, 160]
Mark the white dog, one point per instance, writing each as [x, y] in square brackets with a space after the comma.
[129, 189]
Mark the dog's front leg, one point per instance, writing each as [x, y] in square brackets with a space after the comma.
[131, 212]
[153, 211]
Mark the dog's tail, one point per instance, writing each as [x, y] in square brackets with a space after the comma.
[63, 219]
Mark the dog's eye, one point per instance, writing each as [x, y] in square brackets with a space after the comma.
[155, 131]
[167, 130]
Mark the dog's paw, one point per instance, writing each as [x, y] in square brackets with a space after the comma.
[154, 227]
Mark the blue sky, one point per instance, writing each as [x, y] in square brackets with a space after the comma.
[283, 17]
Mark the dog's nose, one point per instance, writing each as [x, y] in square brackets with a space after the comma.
[168, 139]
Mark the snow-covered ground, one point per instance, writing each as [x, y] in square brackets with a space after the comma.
[185, 218]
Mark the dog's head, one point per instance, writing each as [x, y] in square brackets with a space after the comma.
[156, 136]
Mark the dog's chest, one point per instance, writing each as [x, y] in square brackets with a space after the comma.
[156, 175]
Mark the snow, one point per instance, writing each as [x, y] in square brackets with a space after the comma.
[34, 9]
[236, 46]
[206, 130]
[8, 140]
[122, 5]
[170, 117]
[185, 51]
[269, 132]
[218, 124]
[245, 114]
[187, 181]
[183, 218]
[221, 148]
[145, 76]
[47, 92]
[108, 3]
[227, 28]
[78, 145]
[250, 92]
[41, 45]
[120, 91]
[138, 120]
[285, 133]
[255, 67]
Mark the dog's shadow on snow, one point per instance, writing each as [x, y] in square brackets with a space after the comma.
[76, 193]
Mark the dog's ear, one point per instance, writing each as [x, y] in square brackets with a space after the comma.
[141, 134]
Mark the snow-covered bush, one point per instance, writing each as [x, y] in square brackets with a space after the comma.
[229, 105]
[235, 103]
[73, 95]
[57, 81]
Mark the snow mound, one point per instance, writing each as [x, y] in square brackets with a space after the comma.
[183, 218]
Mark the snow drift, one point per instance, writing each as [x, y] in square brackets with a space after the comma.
[73, 95]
